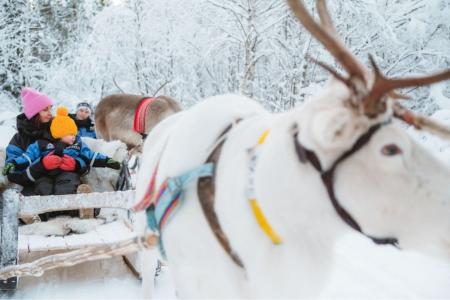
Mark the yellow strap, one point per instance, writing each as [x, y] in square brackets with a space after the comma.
[257, 212]
[262, 221]
[262, 137]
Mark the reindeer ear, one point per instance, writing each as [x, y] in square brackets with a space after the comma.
[336, 128]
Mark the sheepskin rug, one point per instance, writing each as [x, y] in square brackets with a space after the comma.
[61, 226]
[104, 179]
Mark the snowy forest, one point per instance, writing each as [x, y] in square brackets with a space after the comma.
[84, 49]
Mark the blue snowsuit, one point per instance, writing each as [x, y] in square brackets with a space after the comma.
[27, 133]
[85, 127]
[34, 178]
[84, 157]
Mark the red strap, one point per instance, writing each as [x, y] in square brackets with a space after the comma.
[140, 114]
[149, 194]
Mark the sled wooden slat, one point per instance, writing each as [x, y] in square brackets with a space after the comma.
[78, 241]
[37, 243]
[74, 257]
[115, 233]
[33, 205]
[56, 243]
[104, 234]
[27, 243]
[23, 243]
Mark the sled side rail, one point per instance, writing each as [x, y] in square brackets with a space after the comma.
[33, 205]
[39, 266]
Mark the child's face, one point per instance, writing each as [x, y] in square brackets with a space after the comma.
[83, 113]
[68, 139]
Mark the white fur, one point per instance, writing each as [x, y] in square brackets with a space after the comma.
[405, 196]
[103, 179]
[60, 226]
[148, 259]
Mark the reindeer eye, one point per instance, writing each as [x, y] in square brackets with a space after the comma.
[391, 150]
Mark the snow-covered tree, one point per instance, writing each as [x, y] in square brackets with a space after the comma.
[83, 50]
[13, 45]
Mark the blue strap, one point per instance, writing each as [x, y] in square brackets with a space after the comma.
[175, 188]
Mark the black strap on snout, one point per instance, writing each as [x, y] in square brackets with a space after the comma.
[327, 177]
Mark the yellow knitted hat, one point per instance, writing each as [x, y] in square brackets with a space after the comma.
[62, 124]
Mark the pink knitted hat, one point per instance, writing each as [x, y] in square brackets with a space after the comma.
[33, 102]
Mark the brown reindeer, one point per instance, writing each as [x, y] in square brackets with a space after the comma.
[114, 117]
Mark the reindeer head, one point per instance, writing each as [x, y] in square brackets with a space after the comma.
[380, 178]
[160, 108]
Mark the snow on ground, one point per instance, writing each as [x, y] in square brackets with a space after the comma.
[365, 270]
[6, 133]
[105, 279]
[362, 270]
[7, 126]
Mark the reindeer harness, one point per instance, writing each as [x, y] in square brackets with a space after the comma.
[140, 116]
[327, 176]
[162, 204]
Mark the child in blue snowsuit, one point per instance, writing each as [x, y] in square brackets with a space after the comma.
[61, 158]
[83, 120]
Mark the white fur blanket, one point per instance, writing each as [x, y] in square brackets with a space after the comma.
[61, 226]
[103, 179]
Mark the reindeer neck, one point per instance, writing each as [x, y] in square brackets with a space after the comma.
[290, 193]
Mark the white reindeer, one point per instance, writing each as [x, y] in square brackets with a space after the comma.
[374, 179]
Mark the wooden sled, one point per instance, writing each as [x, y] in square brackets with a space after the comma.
[117, 238]
[105, 241]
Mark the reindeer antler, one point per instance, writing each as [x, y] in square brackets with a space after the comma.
[421, 122]
[371, 98]
[385, 86]
[326, 34]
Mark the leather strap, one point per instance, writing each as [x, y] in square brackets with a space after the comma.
[305, 155]
[206, 195]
